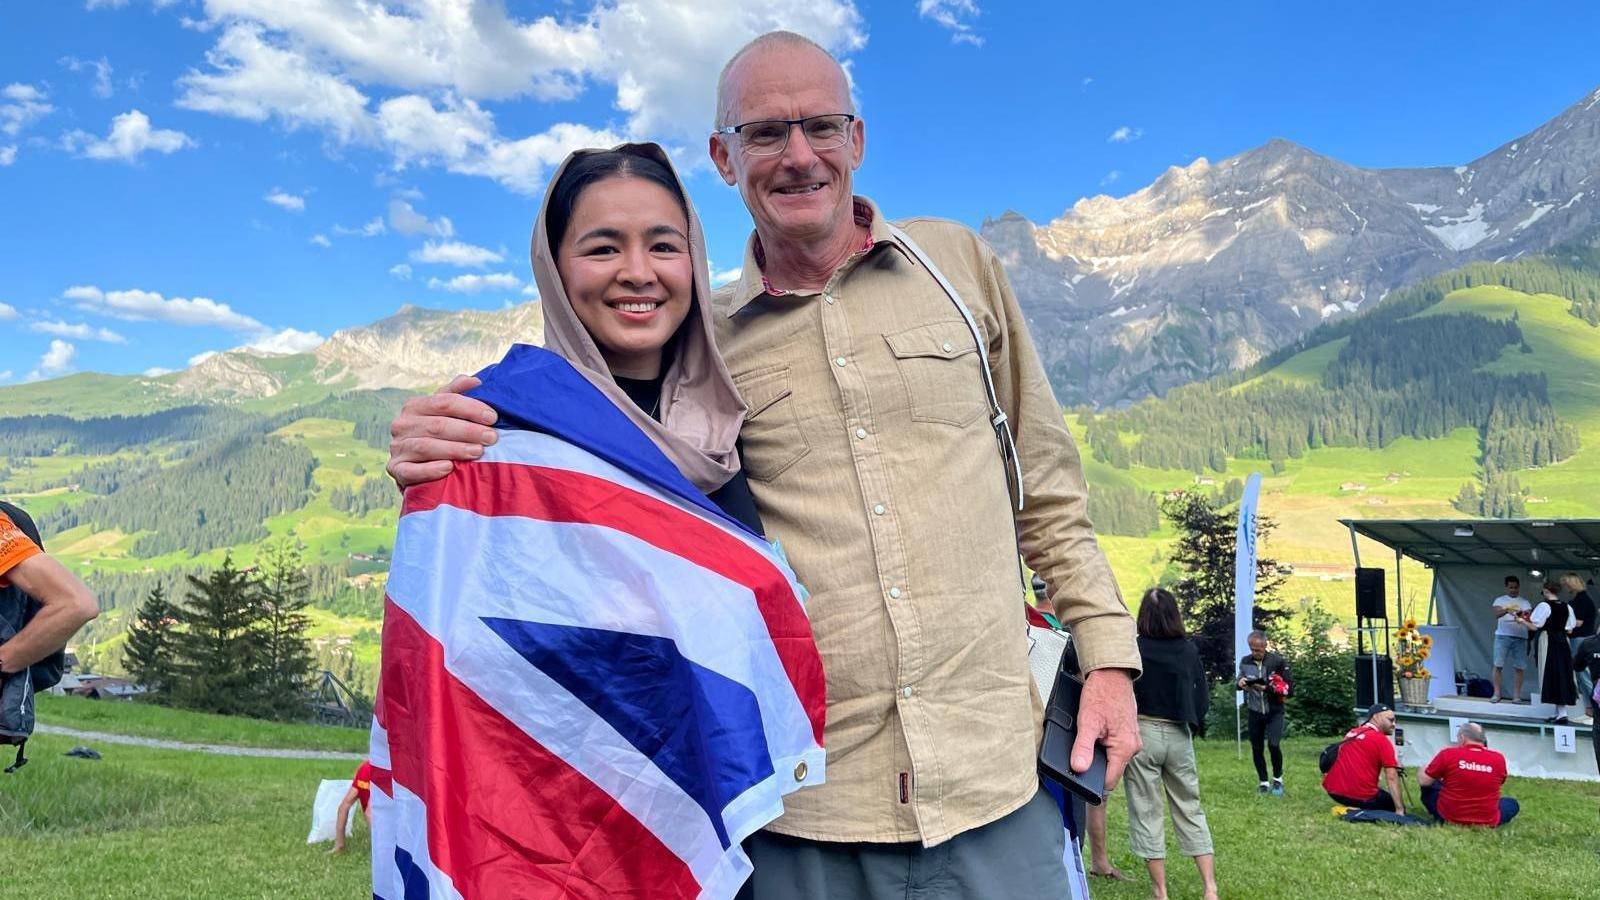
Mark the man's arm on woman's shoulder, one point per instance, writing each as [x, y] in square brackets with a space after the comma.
[432, 432]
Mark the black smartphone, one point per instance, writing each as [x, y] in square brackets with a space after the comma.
[1060, 733]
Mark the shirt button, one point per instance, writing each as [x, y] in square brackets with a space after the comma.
[906, 692]
[894, 593]
[880, 509]
[840, 361]
[861, 433]
[828, 297]
[946, 346]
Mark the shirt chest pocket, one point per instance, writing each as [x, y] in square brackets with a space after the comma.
[772, 438]
[940, 368]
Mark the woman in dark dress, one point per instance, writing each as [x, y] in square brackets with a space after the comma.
[1552, 619]
[620, 262]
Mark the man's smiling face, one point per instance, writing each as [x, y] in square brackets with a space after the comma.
[801, 194]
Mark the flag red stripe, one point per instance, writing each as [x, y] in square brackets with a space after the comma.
[561, 495]
[506, 817]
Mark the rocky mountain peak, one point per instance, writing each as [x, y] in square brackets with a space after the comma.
[1213, 265]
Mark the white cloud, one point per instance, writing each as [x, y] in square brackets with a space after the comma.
[954, 15]
[147, 306]
[56, 361]
[8, 155]
[373, 228]
[1125, 134]
[1111, 178]
[6, 375]
[285, 200]
[80, 331]
[24, 105]
[406, 220]
[455, 253]
[1087, 80]
[426, 66]
[726, 275]
[202, 356]
[477, 284]
[101, 85]
[289, 340]
[255, 81]
[130, 136]
[7, 311]
[401, 271]
[155, 372]
[321, 240]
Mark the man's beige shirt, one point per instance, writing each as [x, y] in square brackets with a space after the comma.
[869, 451]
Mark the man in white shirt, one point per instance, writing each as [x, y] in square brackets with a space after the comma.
[1510, 636]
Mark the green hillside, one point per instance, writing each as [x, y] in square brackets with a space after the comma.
[1460, 380]
[1407, 478]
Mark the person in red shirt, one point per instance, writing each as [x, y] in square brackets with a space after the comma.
[360, 790]
[1462, 784]
[1365, 757]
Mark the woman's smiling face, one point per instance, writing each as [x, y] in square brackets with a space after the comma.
[625, 265]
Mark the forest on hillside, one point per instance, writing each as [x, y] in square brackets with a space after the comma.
[1397, 375]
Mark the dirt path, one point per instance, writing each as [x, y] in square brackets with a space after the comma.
[218, 749]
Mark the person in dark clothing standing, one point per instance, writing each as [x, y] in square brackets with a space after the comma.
[1583, 610]
[1551, 621]
[1587, 658]
[1162, 778]
[1263, 699]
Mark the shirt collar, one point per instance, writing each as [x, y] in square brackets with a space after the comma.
[753, 282]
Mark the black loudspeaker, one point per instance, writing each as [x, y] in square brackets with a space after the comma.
[1365, 696]
[1369, 594]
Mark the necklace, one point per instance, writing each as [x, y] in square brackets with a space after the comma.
[655, 407]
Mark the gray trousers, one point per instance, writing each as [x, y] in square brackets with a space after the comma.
[1018, 856]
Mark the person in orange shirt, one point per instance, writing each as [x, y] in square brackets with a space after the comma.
[65, 603]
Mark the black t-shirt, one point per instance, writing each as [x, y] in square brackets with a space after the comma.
[733, 498]
[1583, 608]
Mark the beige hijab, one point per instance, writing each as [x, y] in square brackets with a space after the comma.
[700, 410]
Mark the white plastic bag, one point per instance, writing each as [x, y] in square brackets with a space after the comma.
[326, 807]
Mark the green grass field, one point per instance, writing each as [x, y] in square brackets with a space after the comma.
[148, 720]
[158, 824]
[1293, 846]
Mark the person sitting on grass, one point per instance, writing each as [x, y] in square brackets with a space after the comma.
[1367, 773]
[1461, 785]
[360, 791]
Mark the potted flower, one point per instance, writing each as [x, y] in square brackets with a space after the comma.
[1412, 650]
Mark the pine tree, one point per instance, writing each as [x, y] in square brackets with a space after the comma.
[285, 658]
[148, 654]
[1204, 554]
[217, 644]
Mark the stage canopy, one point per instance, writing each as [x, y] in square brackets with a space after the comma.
[1470, 559]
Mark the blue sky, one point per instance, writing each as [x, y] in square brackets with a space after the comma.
[179, 176]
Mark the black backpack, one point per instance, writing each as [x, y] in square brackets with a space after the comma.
[1330, 755]
[16, 691]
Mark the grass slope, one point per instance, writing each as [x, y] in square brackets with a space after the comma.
[1407, 479]
[148, 720]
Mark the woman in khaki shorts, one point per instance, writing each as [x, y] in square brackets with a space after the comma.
[1173, 699]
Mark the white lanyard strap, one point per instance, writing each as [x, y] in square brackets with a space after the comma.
[997, 417]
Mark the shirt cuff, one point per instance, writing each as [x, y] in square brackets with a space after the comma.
[1107, 642]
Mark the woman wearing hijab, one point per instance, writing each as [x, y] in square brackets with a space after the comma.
[1552, 619]
[620, 262]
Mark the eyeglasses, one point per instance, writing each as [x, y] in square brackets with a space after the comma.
[769, 137]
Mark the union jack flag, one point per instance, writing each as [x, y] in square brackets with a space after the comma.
[594, 683]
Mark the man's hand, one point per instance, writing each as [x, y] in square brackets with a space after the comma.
[1108, 714]
[430, 432]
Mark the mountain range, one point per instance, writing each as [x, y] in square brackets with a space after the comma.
[1215, 265]
[414, 349]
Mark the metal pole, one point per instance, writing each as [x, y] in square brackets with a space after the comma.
[1399, 600]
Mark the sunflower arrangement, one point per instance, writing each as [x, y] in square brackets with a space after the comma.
[1412, 649]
